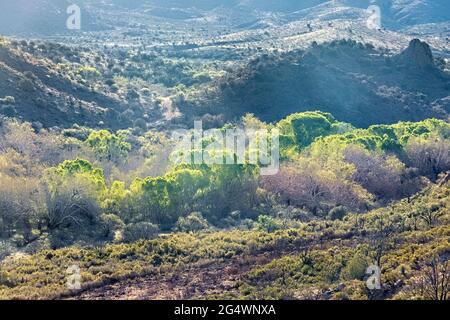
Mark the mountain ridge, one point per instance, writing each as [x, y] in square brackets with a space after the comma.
[49, 16]
[325, 76]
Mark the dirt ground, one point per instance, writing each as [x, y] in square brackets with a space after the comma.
[193, 282]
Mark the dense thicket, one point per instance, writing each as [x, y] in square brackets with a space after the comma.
[87, 186]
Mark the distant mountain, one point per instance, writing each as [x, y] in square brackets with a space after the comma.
[49, 16]
[42, 17]
[352, 81]
[395, 13]
[412, 12]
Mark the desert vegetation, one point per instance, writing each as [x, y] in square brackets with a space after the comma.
[90, 177]
[337, 185]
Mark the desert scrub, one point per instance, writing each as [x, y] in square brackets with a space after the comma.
[44, 275]
[413, 249]
[288, 276]
[316, 256]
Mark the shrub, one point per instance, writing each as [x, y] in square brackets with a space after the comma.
[111, 224]
[304, 128]
[341, 296]
[192, 223]
[72, 212]
[19, 207]
[140, 123]
[430, 156]
[356, 268]
[337, 213]
[8, 110]
[268, 224]
[140, 231]
[383, 176]
[108, 146]
[433, 281]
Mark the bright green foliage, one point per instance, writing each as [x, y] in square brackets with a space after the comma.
[300, 130]
[88, 72]
[151, 200]
[218, 190]
[162, 200]
[108, 146]
[72, 193]
[381, 138]
[316, 256]
[394, 137]
[118, 201]
[318, 209]
[77, 169]
[303, 128]
[232, 188]
[78, 166]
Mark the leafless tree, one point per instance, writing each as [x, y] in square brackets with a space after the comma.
[298, 187]
[430, 157]
[434, 281]
[379, 240]
[71, 204]
[378, 176]
[307, 187]
[45, 147]
[430, 214]
[19, 206]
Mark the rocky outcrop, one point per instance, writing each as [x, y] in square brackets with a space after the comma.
[417, 54]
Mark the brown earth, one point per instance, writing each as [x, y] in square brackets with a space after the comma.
[192, 282]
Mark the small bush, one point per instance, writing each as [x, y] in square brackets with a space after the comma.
[111, 224]
[268, 224]
[8, 110]
[192, 223]
[356, 268]
[337, 213]
[140, 231]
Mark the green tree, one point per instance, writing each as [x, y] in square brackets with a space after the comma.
[78, 168]
[108, 146]
[302, 129]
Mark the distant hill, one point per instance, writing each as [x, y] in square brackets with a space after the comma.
[353, 81]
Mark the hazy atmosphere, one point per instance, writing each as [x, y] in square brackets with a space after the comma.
[225, 150]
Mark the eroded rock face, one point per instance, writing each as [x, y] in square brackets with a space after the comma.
[418, 54]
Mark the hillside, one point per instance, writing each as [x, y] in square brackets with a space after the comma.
[354, 82]
[44, 94]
